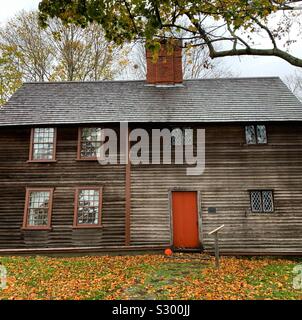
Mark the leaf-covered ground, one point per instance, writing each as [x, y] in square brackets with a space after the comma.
[149, 277]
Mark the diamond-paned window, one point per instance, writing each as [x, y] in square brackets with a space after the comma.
[88, 207]
[262, 201]
[256, 204]
[182, 137]
[188, 137]
[268, 201]
[43, 144]
[250, 135]
[90, 142]
[177, 137]
[261, 134]
[255, 134]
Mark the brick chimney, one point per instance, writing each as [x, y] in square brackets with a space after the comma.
[167, 70]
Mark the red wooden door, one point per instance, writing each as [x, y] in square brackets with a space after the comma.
[185, 219]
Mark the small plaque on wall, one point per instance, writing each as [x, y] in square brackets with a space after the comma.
[211, 210]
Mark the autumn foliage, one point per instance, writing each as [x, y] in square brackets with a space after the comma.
[148, 277]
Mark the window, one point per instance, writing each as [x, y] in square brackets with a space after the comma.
[262, 201]
[89, 143]
[255, 134]
[38, 206]
[188, 137]
[182, 137]
[43, 144]
[88, 204]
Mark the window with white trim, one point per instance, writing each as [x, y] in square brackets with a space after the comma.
[43, 144]
[88, 207]
[90, 142]
[38, 208]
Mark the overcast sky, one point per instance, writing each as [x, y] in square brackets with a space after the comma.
[243, 66]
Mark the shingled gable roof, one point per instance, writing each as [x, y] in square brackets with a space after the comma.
[207, 100]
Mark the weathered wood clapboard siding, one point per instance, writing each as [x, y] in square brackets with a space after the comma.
[64, 175]
[232, 168]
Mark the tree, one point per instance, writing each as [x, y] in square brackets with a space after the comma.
[235, 24]
[10, 74]
[61, 52]
[30, 40]
[56, 53]
[83, 54]
[294, 82]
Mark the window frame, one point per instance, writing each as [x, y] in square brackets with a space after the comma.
[261, 195]
[76, 208]
[31, 148]
[255, 125]
[79, 157]
[25, 225]
[183, 142]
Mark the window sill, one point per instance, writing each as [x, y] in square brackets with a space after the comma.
[86, 159]
[41, 161]
[36, 228]
[261, 214]
[88, 227]
[257, 145]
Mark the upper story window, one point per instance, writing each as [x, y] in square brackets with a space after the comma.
[38, 206]
[43, 144]
[262, 201]
[255, 134]
[88, 203]
[182, 137]
[89, 143]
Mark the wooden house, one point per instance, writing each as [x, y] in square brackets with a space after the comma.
[56, 197]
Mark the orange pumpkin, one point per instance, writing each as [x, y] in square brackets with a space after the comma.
[168, 252]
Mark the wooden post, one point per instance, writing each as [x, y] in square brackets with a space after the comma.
[216, 251]
[215, 232]
[128, 196]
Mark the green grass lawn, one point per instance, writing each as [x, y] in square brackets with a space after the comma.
[149, 277]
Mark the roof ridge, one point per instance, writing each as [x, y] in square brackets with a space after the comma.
[142, 81]
[81, 82]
